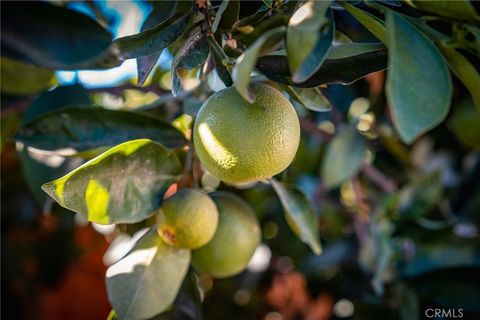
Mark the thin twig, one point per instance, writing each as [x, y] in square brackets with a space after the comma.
[377, 177]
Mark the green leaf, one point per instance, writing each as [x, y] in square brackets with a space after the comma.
[309, 36]
[299, 213]
[222, 70]
[192, 55]
[161, 11]
[343, 70]
[123, 185]
[227, 15]
[431, 257]
[343, 158]
[312, 98]
[18, 78]
[419, 198]
[418, 87]
[146, 281]
[370, 22]
[84, 129]
[465, 71]
[55, 37]
[58, 98]
[246, 62]
[465, 124]
[348, 50]
[188, 304]
[153, 40]
[457, 9]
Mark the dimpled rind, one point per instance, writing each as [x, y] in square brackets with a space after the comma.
[188, 219]
[235, 241]
[240, 142]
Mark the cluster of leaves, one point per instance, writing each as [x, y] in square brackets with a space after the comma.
[135, 156]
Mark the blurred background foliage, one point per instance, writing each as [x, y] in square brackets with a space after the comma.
[398, 237]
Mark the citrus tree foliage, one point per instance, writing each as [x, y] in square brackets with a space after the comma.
[365, 167]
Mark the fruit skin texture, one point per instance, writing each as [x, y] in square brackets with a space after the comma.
[240, 142]
[235, 241]
[188, 219]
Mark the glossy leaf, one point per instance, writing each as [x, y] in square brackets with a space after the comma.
[299, 213]
[342, 70]
[246, 62]
[417, 102]
[58, 98]
[465, 124]
[222, 70]
[343, 158]
[370, 22]
[146, 281]
[227, 15]
[353, 49]
[123, 185]
[465, 71]
[458, 9]
[161, 11]
[312, 98]
[309, 36]
[192, 55]
[68, 38]
[84, 129]
[155, 39]
[18, 78]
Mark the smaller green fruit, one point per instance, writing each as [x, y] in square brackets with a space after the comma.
[235, 241]
[188, 219]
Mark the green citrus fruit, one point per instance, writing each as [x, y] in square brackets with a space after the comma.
[188, 219]
[240, 142]
[235, 241]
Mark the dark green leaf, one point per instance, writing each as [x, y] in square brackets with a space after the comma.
[222, 70]
[146, 281]
[246, 62]
[248, 37]
[227, 15]
[18, 78]
[187, 305]
[123, 185]
[153, 40]
[55, 37]
[439, 256]
[309, 36]
[372, 23]
[343, 158]
[465, 124]
[465, 71]
[342, 70]
[299, 213]
[311, 98]
[419, 88]
[458, 9]
[84, 129]
[161, 11]
[39, 168]
[192, 55]
[58, 98]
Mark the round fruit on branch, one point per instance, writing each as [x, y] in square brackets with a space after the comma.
[235, 241]
[240, 142]
[188, 219]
